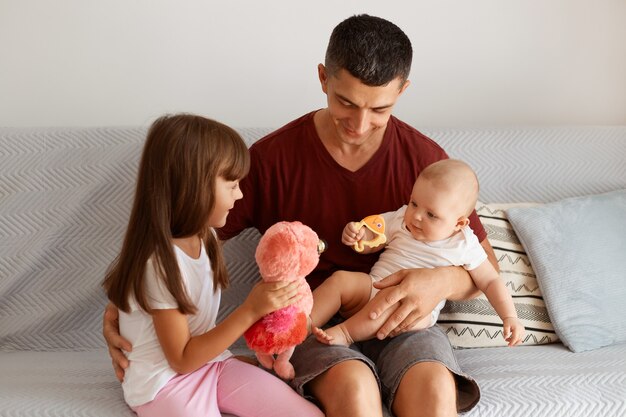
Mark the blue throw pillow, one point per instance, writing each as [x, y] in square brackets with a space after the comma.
[577, 248]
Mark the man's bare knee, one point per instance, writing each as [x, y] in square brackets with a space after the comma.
[427, 389]
[348, 388]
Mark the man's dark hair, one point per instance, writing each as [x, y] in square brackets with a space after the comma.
[371, 49]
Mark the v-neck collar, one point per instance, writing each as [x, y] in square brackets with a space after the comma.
[328, 158]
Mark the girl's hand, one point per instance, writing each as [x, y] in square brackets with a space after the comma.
[513, 331]
[352, 233]
[266, 297]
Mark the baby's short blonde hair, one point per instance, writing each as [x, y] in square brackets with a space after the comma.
[454, 176]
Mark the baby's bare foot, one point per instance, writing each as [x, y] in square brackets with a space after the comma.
[332, 336]
[321, 336]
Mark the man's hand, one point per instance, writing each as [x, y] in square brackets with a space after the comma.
[115, 342]
[418, 291]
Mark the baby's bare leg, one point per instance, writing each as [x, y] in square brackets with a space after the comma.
[344, 292]
[361, 327]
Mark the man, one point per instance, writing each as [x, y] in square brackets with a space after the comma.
[346, 161]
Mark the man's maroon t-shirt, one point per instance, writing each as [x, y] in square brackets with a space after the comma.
[293, 177]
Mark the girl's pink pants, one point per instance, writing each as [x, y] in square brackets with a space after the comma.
[229, 386]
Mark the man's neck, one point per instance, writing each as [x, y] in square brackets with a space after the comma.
[350, 156]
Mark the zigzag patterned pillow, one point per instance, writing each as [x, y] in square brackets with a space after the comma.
[474, 323]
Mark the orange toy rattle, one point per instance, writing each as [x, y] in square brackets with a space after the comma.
[376, 224]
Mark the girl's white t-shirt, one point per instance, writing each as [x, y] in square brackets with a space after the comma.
[149, 371]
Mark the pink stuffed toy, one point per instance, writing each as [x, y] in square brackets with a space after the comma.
[288, 251]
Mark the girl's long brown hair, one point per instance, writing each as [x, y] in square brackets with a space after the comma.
[174, 196]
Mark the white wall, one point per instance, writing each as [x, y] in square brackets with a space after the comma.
[253, 63]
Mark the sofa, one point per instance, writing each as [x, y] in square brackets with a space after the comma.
[65, 195]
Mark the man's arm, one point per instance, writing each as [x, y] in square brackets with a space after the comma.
[115, 342]
[418, 291]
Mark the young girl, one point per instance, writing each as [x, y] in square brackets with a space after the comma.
[168, 277]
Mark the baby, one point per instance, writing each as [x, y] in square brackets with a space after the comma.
[431, 231]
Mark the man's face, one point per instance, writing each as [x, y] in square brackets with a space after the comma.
[358, 111]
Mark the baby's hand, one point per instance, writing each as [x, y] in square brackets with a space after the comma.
[513, 331]
[352, 233]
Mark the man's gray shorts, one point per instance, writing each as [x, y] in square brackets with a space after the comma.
[389, 360]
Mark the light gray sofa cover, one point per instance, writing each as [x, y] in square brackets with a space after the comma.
[65, 194]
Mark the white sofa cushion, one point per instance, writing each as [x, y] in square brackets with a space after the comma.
[577, 248]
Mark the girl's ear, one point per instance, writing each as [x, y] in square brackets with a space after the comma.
[462, 222]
